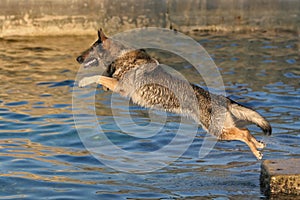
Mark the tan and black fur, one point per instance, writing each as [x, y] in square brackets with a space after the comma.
[135, 74]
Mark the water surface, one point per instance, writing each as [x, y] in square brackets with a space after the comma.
[42, 155]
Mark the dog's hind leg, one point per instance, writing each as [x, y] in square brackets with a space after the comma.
[243, 135]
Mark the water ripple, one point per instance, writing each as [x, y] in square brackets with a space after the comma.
[40, 149]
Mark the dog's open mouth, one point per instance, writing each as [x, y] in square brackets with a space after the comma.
[92, 62]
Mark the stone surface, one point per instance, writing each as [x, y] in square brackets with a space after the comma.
[280, 177]
[77, 17]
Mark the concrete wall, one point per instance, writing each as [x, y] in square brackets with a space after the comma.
[61, 17]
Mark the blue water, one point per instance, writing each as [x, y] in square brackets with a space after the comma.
[42, 155]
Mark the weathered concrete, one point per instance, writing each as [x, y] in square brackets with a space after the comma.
[53, 17]
[280, 177]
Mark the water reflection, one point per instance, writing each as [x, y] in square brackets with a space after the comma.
[40, 148]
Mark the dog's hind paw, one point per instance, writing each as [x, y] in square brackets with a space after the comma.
[88, 81]
[260, 145]
[259, 155]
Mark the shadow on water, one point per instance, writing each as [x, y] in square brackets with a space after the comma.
[41, 154]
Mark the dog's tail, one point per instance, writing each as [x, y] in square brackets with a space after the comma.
[249, 115]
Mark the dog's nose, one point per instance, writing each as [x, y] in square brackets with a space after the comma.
[80, 59]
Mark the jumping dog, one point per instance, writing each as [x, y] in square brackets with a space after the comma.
[135, 74]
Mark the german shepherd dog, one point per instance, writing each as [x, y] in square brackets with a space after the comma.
[137, 75]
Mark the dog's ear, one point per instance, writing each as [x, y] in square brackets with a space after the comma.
[101, 36]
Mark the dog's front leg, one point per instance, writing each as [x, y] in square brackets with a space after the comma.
[105, 81]
[110, 83]
[88, 81]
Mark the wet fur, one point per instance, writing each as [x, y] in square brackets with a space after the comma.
[135, 74]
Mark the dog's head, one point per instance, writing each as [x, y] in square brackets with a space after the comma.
[114, 57]
[101, 53]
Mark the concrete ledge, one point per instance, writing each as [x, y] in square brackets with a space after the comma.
[77, 17]
[280, 177]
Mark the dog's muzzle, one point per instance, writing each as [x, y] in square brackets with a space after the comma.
[91, 62]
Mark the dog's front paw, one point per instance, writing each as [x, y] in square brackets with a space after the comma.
[82, 83]
[88, 81]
